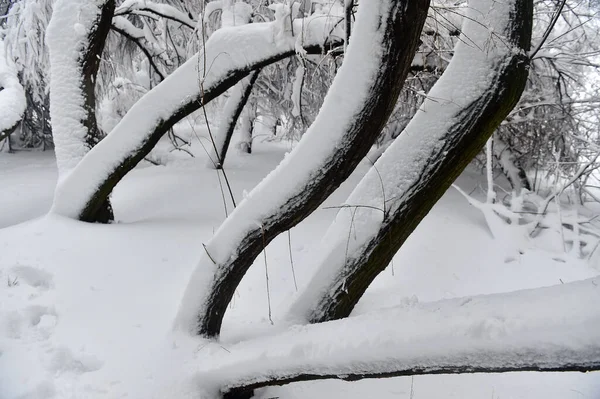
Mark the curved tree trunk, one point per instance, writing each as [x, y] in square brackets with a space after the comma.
[231, 112]
[361, 98]
[76, 36]
[82, 193]
[480, 86]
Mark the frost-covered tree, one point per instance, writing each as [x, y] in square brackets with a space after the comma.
[23, 29]
[12, 99]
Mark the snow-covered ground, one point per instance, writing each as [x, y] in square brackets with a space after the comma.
[87, 310]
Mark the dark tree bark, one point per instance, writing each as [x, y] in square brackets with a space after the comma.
[216, 277]
[333, 293]
[247, 391]
[90, 65]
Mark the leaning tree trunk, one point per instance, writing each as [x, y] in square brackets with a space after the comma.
[481, 85]
[355, 110]
[81, 193]
[231, 113]
[247, 123]
[76, 36]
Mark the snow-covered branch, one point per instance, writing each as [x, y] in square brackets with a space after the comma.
[125, 28]
[162, 10]
[229, 56]
[545, 329]
[356, 108]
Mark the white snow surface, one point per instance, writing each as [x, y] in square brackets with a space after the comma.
[89, 308]
[246, 45]
[67, 38]
[386, 185]
[12, 97]
[343, 102]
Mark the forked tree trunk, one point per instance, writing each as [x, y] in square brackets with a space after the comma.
[480, 86]
[368, 84]
[82, 193]
[76, 36]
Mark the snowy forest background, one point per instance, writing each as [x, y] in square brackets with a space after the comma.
[237, 198]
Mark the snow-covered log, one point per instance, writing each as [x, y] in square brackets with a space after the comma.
[480, 86]
[355, 110]
[229, 56]
[76, 36]
[12, 96]
[544, 329]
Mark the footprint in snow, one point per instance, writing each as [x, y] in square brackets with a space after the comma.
[33, 277]
[64, 360]
[38, 320]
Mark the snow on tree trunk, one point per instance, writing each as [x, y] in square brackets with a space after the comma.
[76, 36]
[12, 98]
[510, 165]
[231, 112]
[229, 55]
[297, 90]
[247, 127]
[544, 329]
[361, 98]
[481, 85]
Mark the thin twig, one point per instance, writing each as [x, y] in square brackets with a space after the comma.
[548, 30]
[262, 228]
[292, 259]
